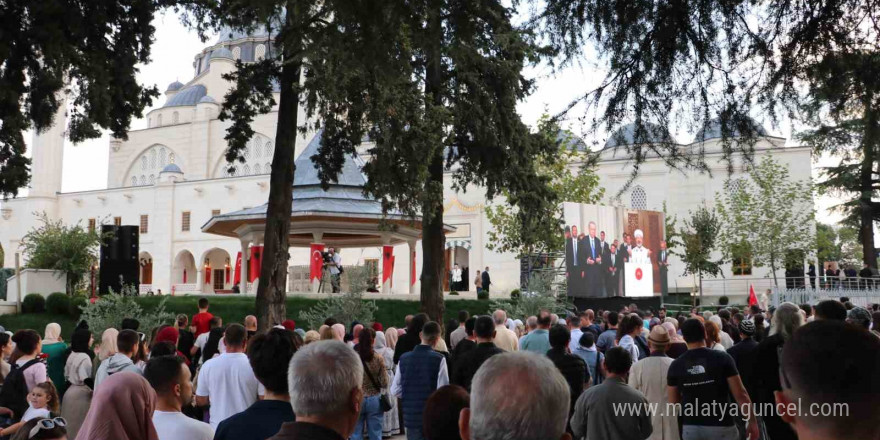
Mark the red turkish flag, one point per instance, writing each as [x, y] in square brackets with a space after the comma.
[316, 261]
[753, 299]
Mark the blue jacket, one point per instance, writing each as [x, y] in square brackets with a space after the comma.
[418, 379]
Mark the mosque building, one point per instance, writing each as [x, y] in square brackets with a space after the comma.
[171, 179]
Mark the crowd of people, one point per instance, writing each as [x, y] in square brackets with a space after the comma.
[616, 374]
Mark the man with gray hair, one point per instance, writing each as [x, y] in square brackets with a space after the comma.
[324, 379]
[505, 339]
[501, 385]
[531, 325]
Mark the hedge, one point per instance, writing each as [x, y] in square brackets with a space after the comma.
[33, 303]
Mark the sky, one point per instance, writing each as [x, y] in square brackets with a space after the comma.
[85, 164]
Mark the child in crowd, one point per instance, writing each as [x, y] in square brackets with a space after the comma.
[42, 401]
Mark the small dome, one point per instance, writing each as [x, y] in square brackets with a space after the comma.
[171, 168]
[627, 135]
[712, 130]
[223, 53]
[175, 86]
[187, 96]
[207, 100]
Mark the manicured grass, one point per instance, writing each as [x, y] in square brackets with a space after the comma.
[234, 309]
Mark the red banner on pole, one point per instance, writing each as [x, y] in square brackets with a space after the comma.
[412, 269]
[237, 279]
[255, 263]
[316, 261]
[387, 262]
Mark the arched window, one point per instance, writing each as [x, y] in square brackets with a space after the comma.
[159, 120]
[257, 156]
[260, 52]
[175, 118]
[736, 186]
[638, 198]
[152, 179]
[236, 53]
[149, 164]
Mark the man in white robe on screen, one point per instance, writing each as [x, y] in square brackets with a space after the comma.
[639, 253]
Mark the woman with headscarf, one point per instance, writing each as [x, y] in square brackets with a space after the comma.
[78, 376]
[106, 349]
[391, 421]
[54, 349]
[391, 336]
[677, 346]
[172, 335]
[121, 410]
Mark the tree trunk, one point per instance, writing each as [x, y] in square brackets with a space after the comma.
[272, 288]
[433, 237]
[866, 217]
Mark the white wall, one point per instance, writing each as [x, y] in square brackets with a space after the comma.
[42, 281]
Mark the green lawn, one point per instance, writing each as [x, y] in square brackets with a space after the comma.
[234, 309]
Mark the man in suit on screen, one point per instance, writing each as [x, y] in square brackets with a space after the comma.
[613, 266]
[663, 262]
[594, 278]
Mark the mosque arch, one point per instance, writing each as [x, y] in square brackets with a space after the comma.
[149, 163]
[257, 159]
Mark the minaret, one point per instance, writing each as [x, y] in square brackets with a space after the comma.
[47, 154]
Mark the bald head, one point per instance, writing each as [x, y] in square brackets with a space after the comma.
[500, 317]
[250, 322]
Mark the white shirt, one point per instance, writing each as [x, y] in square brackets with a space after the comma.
[575, 339]
[229, 382]
[640, 255]
[33, 413]
[456, 275]
[176, 426]
[442, 379]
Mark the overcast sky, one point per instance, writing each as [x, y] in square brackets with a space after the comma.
[85, 165]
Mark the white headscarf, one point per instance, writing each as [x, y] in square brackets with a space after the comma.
[53, 333]
[511, 325]
[379, 341]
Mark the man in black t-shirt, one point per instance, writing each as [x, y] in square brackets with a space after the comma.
[702, 381]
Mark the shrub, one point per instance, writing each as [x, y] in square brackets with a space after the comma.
[723, 300]
[514, 294]
[111, 309]
[453, 293]
[58, 304]
[344, 308]
[483, 294]
[76, 304]
[33, 303]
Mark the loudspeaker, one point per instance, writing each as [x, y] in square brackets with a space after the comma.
[119, 258]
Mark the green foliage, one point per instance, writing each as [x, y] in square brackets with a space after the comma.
[540, 295]
[345, 308]
[71, 249]
[541, 231]
[723, 300]
[4, 275]
[515, 294]
[483, 294]
[766, 215]
[77, 303]
[33, 303]
[700, 237]
[58, 303]
[359, 278]
[453, 293]
[673, 233]
[109, 311]
[842, 105]
[839, 244]
[89, 51]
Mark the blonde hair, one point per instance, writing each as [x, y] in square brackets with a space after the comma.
[311, 336]
[712, 333]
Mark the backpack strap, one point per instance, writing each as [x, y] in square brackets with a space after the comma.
[28, 364]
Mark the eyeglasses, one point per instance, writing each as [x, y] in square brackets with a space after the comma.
[47, 424]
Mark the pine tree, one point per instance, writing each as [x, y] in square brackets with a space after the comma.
[87, 50]
[435, 84]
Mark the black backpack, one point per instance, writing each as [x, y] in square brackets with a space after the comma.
[14, 393]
